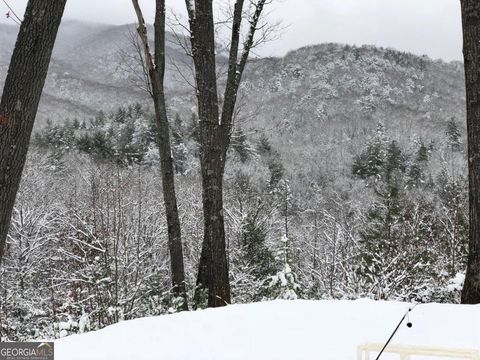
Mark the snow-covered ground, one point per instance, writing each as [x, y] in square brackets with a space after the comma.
[292, 330]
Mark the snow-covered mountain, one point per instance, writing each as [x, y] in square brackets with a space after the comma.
[91, 69]
[91, 62]
[331, 97]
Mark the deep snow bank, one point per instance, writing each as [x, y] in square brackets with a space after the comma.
[277, 330]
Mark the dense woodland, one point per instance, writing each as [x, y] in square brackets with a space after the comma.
[87, 244]
[336, 172]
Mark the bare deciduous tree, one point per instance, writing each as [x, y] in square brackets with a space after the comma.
[155, 66]
[21, 96]
[132, 62]
[216, 120]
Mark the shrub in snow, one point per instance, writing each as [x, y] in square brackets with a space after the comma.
[84, 323]
[284, 284]
[456, 284]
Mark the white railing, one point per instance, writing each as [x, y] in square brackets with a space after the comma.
[405, 352]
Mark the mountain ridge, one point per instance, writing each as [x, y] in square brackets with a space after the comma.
[325, 82]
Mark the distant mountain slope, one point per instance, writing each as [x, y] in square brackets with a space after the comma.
[89, 69]
[331, 95]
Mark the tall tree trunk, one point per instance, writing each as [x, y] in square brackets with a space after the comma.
[213, 163]
[471, 52]
[156, 70]
[213, 269]
[215, 133]
[21, 96]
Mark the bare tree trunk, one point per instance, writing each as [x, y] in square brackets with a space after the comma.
[21, 96]
[215, 134]
[471, 52]
[213, 269]
[156, 71]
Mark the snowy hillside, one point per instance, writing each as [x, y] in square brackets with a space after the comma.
[93, 68]
[308, 88]
[278, 330]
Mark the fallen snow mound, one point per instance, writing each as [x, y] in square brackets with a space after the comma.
[277, 330]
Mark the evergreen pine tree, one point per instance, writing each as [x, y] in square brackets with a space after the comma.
[264, 146]
[284, 285]
[179, 148]
[240, 146]
[417, 170]
[260, 258]
[395, 161]
[371, 161]
[453, 134]
[276, 169]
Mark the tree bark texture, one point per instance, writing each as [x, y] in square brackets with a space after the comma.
[156, 71]
[471, 52]
[215, 133]
[21, 96]
[213, 268]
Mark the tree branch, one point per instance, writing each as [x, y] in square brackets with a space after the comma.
[142, 32]
[236, 68]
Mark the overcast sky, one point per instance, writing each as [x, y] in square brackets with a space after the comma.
[431, 27]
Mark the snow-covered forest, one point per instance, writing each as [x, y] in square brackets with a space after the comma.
[335, 172]
[86, 236]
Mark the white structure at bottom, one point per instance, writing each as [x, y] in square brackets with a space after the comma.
[405, 352]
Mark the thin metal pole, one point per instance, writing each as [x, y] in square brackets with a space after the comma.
[395, 331]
